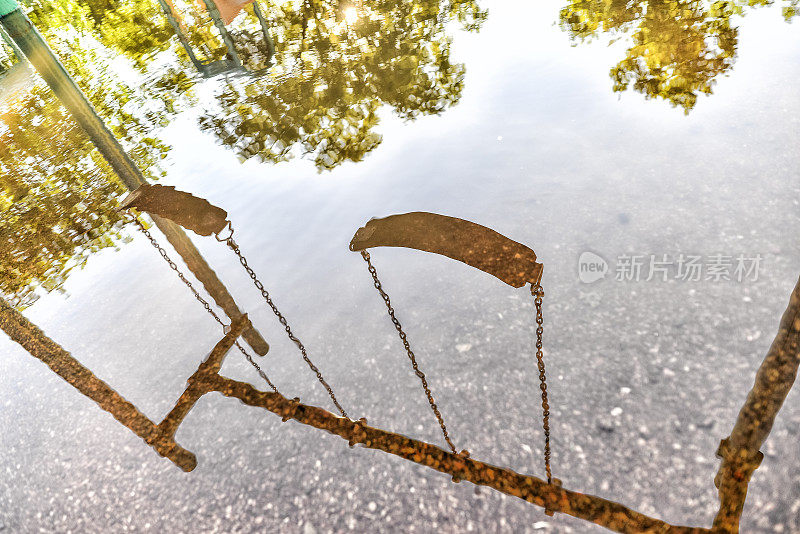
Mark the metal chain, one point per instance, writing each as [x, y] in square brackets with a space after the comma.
[264, 293]
[538, 293]
[404, 339]
[202, 301]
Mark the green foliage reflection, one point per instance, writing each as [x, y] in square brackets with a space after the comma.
[135, 28]
[678, 47]
[57, 194]
[335, 67]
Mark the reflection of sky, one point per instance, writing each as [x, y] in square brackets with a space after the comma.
[542, 150]
[537, 123]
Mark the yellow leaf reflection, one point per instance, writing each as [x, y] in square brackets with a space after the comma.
[678, 48]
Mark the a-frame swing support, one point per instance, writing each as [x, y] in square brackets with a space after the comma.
[739, 452]
[207, 379]
[232, 59]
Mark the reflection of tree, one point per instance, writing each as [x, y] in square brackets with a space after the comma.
[678, 47]
[6, 57]
[331, 77]
[135, 28]
[57, 194]
[790, 10]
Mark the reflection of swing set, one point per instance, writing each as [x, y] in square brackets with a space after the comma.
[221, 13]
[474, 245]
[470, 243]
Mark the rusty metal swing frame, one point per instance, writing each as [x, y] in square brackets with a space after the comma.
[739, 452]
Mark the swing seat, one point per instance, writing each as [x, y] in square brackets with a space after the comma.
[470, 243]
[464, 241]
[191, 212]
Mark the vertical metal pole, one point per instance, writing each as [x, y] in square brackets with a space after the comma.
[264, 29]
[740, 452]
[10, 42]
[211, 7]
[35, 48]
[181, 37]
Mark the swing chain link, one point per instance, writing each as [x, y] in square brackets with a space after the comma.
[264, 293]
[411, 356]
[538, 292]
[202, 301]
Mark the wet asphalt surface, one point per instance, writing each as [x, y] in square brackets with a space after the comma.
[645, 377]
[644, 380]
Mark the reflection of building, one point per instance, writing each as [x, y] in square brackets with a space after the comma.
[221, 13]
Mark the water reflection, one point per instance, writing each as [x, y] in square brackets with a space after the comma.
[334, 72]
[613, 186]
[6, 54]
[331, 75]
[334, 66]
[213, 47]
[56, 192]
[134, 28]
[678, 47]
